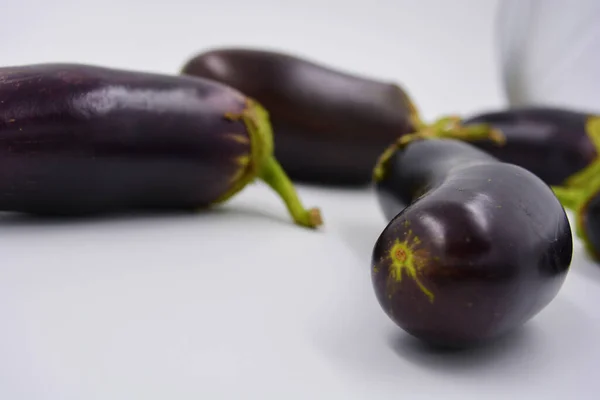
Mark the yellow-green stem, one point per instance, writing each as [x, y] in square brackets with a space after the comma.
[274, 175]
[592, 127]
[580, 188]
[263, 165]
[569, 197]
[448, 127]
[583, 177]
[577, 200]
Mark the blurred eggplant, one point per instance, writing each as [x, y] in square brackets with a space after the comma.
[330, 126]
[553, 143]
[80, 139]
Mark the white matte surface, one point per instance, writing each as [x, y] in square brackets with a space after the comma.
[239, 303]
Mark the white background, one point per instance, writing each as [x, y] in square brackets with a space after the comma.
[239, 303]
[549, 52]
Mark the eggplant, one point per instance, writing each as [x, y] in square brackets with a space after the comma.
[79, 139]
[330, 126]
[474, 247]
[552, 142]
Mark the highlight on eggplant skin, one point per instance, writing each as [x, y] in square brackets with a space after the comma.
[330, 126]
[80, 139]
[474, 248]
[551, 142]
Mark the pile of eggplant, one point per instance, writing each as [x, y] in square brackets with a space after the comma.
[477, 240]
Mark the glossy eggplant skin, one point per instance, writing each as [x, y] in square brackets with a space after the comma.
[329, 126]
[551, 142]
[474, 247]
[77, 139]
[80, 139]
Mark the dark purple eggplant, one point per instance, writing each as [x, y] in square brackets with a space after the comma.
[551, 142]
[80, 139]
[330, 126]
[474, 248]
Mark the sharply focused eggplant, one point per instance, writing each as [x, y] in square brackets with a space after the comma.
[79, 139]
[329, 126]
[474, 248]
[561, 147]
[553, 143]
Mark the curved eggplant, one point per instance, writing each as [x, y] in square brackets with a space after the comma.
[474, 248]
[330, 126]
[80, 139]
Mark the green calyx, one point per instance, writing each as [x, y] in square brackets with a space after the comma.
[583, 177]
[582, 187]
[577, 199]
[449, 127]
[263, 165]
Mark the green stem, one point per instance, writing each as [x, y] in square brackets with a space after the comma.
[592, 127]
[263, 165]
[578, 199]
[569, 197]
[584, 176]
[448, 127]
[581, 178]
[274, 175]
[581, 187]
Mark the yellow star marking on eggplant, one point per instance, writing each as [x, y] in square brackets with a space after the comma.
[407, 256]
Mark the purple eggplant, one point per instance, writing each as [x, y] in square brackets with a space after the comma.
[79, 140]
[474, 248]
[329, 126]
[551, 142]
